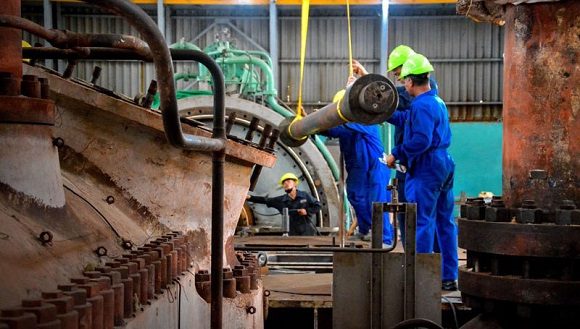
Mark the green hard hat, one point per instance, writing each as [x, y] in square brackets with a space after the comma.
[399, 56]
[416, 64]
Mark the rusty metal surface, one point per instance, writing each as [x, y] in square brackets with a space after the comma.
[310, 161]
[26, 110]
[541, 129]
[69, 94]
[299, 284]
[534, 240]
[69, 39]
[11, 41]
[30, 163]
[519, 290]
[299, 290]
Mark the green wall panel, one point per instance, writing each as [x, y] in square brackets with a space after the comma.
[476, 148]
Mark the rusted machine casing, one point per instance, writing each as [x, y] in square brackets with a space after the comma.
[541, 129]
[522, 251]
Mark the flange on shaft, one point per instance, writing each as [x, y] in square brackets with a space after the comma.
[369, 100]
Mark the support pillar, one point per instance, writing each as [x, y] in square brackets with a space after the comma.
[29, 160]
[541, 103]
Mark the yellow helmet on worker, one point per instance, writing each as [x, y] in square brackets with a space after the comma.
[399, 56]
[415, 65]
[288, 176]
[26, 45]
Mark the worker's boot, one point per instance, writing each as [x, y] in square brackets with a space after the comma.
[357, 236]
[449, 285]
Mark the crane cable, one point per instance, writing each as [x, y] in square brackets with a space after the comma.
[303, 37]
[300, 113]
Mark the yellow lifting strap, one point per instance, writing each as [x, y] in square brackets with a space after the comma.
[303, 37]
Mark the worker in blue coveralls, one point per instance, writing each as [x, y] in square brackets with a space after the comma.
[397, 58]
[368, 175]
[430, 168]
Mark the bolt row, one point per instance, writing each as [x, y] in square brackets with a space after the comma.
[106, 296]
[268, 138]
[30, 86]
[527, 213]
[243, 278]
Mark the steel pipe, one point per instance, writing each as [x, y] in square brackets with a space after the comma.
[172, 126]
[370, 99]
[68, 39]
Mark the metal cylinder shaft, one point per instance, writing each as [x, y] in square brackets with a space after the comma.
[541, 129]
[370, 99]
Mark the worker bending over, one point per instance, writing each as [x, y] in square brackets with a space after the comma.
[368, 175]
[430, 168]
[301, 205]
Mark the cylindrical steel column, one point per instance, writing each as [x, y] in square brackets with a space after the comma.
[541, 103]
[11, 41]
[370, 99]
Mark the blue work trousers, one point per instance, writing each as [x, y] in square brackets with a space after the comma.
[430, 185]
[361, 196]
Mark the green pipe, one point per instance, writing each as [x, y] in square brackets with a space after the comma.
[267, 70]
[184, 76]
[264, 56]
[184, 45]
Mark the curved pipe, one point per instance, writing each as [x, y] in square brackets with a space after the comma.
[68, 39]
[164, 68]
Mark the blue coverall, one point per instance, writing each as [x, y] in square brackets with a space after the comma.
[404, 105]
[368, 175]
[430, 173]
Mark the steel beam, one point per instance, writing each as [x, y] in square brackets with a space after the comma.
[384, 36]
[160, 16]
[274, 47]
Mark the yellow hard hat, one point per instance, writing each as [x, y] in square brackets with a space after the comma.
[338, 96]
[287, 176]
[26, 45]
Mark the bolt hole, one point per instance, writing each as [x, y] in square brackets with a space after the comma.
[58, 142]
[45, 237]
[127, 244]
[101, 251]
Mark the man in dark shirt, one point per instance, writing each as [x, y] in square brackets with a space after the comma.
[301, 205]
